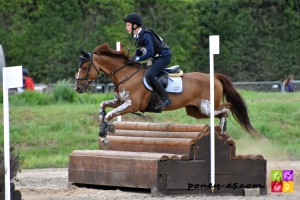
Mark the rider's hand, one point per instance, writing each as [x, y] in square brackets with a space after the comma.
[137, 59]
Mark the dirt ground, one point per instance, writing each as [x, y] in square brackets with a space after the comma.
[52, 184]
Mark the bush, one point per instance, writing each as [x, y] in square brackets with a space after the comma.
[30, 98]
[89, 98]
[63, 92]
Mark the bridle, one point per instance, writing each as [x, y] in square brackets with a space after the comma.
[87, 82]
[91, 64]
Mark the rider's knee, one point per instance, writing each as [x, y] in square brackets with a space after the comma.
[150, 77]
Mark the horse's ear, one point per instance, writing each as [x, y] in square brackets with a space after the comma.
[85, 54]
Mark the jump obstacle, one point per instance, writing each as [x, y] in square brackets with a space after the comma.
[169, 159]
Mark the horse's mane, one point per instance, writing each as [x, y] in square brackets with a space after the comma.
[105, 50]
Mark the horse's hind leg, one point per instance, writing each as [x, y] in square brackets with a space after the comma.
[225, 109]
[221, 111]
[203, 111]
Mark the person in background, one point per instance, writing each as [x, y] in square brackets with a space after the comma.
[28, 83]
[288, 84]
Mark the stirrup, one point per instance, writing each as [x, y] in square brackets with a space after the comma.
[165, 102]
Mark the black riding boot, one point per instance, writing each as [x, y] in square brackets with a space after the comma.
[158, 87]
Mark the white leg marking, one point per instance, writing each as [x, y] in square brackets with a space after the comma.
[124, 96]
[107, 103]
[205, 108]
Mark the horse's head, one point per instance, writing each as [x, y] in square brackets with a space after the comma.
[87, 72]
[105, 60]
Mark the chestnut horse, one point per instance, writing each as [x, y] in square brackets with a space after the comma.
[131, 95]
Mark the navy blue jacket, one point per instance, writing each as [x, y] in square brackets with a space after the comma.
[147, 42]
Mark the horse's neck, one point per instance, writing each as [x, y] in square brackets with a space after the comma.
[117, 69]
[127, 73]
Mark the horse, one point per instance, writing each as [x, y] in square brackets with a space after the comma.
[132, 94]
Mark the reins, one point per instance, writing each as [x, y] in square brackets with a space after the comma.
[107, 75]
[128, 77]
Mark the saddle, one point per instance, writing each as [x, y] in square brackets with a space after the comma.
[170, 78]
[174, 71]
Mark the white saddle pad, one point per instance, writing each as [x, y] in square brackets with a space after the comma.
[174, 85]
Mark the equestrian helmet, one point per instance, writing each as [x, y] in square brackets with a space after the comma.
[134, 19]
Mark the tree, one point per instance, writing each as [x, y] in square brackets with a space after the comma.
[258, 39]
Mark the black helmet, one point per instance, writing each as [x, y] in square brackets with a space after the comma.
[134, 19]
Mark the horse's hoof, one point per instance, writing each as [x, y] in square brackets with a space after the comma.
[104, 141]
[102, 134]
[111, 128]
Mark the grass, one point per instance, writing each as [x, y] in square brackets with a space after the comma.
[276, 116]
[45, 131]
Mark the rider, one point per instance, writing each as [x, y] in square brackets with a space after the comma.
[150, 45]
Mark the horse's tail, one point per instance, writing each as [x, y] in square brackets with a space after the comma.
[238, 106]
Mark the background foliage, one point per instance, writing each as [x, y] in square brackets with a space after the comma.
[259, 38]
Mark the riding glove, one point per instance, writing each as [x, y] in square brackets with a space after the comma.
[137, 59]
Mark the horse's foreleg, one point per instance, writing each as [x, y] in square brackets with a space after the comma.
[103, 122]
[110, 103]
[122, 109]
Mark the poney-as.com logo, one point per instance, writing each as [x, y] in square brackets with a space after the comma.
[282, 181]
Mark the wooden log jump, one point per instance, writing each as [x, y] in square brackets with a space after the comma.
[169, 159]
[161, 127]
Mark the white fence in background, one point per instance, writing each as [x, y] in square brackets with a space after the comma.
[265, 86]
[260, 86]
